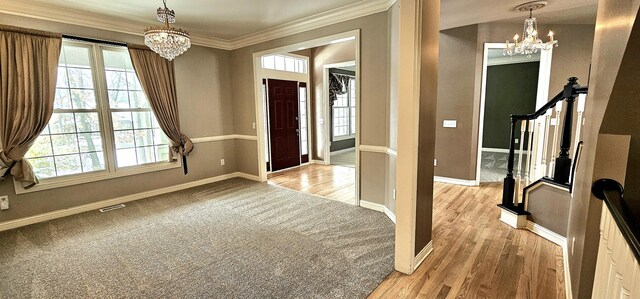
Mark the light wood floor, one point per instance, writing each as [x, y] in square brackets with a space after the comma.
[333, 182]
[474, 254]
[477, 256]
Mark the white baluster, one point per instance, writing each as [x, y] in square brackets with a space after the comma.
[523, 128]
[527, 175]
[556, 136]
[545, 144]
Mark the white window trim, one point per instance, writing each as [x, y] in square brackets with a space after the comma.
[353, 134]
[111, 170]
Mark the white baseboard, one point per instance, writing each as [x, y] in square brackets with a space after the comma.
[514, 220]
[422, 255]
[546, 233]
[346, 150]
[115, 201]
[567, 273]
[372, 206]
[498, 150]
[390, 214]
[446, 180]
[248, 176]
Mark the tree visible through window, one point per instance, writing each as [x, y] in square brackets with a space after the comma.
[99, 108]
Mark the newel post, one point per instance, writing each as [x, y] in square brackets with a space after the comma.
[509, 181]
[563, 161]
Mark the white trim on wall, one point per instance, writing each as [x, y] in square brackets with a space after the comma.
[440, 179]
[390, 214]
[372, 206]
[50, 12]
[118, 200]
[223, 138]
[422, 255]
[378, 149]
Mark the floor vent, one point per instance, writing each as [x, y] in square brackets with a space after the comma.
[111, 208]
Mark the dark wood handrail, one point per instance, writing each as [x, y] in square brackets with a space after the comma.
[612, 193]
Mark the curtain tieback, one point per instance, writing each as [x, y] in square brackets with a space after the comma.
[184, 148]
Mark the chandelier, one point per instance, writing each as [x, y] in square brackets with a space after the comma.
[167, 41]
[530, 43]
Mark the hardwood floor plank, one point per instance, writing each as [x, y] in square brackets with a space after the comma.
[477, 256]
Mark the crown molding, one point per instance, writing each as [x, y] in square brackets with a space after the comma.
[330, 17]
[92, 20]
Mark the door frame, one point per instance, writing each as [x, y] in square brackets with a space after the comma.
[542, 97]
[259, 105]
[327, 111]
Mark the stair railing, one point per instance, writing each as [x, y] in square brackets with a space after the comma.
[559, 168]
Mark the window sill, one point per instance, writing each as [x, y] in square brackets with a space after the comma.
[71, 180]
[340, 138]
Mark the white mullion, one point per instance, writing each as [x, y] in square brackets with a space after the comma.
[102, 98]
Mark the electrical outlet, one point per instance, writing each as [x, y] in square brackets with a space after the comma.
[435, 162]
[254, 126]
[394, 194]
[4, 202]
[222, 162]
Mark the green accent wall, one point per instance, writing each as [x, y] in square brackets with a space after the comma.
[511, 89]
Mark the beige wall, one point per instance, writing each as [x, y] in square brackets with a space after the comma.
[321, 56]
[460, 84]
[374, 91]
[205, 104]
[615, 22]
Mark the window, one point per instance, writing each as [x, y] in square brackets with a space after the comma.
[344, 113]
[304, 130]
[101, 120]
[284, 63]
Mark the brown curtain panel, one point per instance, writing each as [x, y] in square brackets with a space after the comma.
[157, 77]
[28, 74]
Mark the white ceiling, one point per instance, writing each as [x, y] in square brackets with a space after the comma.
[225, 19]
[457, 13]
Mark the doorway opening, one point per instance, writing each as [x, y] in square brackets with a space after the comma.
[510, 85]
[307, 107]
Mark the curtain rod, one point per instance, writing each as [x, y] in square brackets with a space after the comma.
[93, 40]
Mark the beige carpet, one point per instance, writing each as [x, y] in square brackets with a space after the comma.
[233, 239]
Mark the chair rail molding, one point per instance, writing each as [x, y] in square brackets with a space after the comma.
[50, 12]
[223, 138]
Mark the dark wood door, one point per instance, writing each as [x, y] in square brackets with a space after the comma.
[283, 124]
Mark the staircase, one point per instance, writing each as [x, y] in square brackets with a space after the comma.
[543, 180]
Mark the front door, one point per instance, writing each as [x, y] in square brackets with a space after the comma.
[283, 124]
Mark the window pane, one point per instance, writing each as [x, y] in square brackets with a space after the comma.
[62, 99]
[92, 161]
[143, 137]
[138, 99]
[124, 139]
[69, 164]
[113, 60]
[90, 142]
[118, 99]
[116, 80]
[40, 148]
[142, 120]
[83, 99]
[64, 144]
[132, 81]
[159, 137]
[162, 153]
[77, 56]
[268, 62]
[62, 123]
[122, 120]
[63, 80]
[87, 122]
[146, 155]
[280, 63]
[80, 78]
[43, 167]
[289, 64]
[126, 157]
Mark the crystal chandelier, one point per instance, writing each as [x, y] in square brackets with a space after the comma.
[530, 43]
[167, 41]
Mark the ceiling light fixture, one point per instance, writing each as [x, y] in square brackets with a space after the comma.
[530, 43]
[167, 41]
